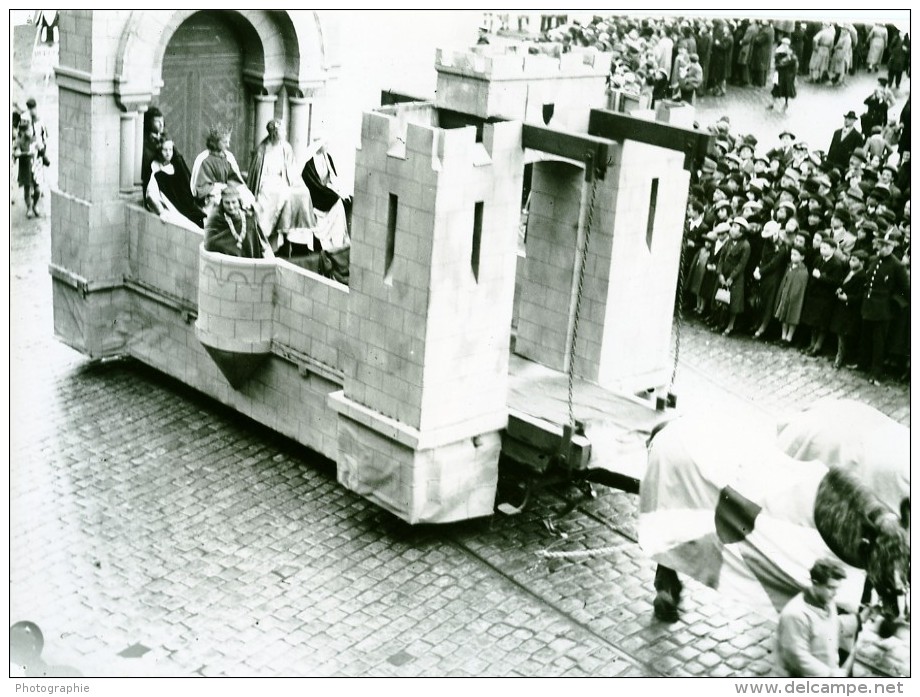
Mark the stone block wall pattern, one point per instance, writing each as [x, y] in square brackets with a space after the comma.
[235, 302]
[498, 82]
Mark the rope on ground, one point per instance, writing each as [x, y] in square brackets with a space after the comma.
[580, 553]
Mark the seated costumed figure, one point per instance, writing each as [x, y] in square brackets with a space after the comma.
[168, 191]
[215, 169]
[230, 229]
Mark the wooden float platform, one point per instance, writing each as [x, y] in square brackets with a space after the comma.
[615, 425]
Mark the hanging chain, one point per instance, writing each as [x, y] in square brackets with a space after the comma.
[679, 318]
[578, 294]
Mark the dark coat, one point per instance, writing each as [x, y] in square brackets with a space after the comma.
[710, 281]
[838, 154]
[787, 67]
[845, 316]
[791, 294]
[720, 56]
[774, 258]
[761, 48]
[887, 285]
[897, 55]
[821, 292]
[731, 265]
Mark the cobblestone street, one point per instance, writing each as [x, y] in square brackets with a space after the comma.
[154, 532]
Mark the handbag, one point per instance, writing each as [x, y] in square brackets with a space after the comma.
[723, 295]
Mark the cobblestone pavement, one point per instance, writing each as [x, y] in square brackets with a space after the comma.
[154, 532]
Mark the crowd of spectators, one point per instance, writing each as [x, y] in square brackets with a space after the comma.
[680, 58]
[799, 244]
[803, 246]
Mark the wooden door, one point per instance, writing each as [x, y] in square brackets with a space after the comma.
[203, 85]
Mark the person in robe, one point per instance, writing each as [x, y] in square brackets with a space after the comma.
[230, 229]
[282, 199]
[215, 169]
[154, 133]
[168, 191]
[322, 180]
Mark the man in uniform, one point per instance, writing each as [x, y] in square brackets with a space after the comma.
[887, 284]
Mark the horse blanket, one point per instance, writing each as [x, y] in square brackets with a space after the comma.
[852, 435]
[722, 504]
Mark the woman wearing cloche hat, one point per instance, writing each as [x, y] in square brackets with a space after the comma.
[786, 67]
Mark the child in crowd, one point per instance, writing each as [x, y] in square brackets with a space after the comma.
[791, 293]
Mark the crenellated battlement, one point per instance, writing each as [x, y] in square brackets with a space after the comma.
[486, 63]
[415, 131]
[518, 85]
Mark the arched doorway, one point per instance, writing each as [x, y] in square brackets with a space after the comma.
[203, 85]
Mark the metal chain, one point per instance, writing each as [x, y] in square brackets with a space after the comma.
[578, 294]
[679, 319]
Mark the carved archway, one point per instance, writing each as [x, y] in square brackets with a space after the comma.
[282, 48]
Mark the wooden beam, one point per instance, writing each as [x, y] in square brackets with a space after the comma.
[539, 440]
[388, 97]
[592, 150]
[619, 127]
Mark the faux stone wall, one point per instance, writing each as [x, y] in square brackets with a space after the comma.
[429, 339]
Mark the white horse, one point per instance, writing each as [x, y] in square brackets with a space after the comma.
[723, 504]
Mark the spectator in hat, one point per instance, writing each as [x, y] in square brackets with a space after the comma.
[825, 276]
[865, 234]
[886, 181]
[743, 54]
[730, 269]
[710, 281]
[694, 230]
[877, 145]
[891, 132]
[876, 41]
[692, 79]
[786, 67]
[774, 257]
[664, 51]
[697, 272]
[846, 313]
[841, 57]
[844, 141]
[898, 51]
[679, 71]
[840, 232]
[720, 59]
[887, 290]
[783, 152]
[791, 293]
[877, 105]
[762, 53]
[822, 44]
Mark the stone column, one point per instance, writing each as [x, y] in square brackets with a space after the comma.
[139, 144]
[301, 109]
[265, 112]
[127, 149]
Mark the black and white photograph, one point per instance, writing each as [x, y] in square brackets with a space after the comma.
[413, 343]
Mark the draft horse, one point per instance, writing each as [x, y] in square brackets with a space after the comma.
[724, 505]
